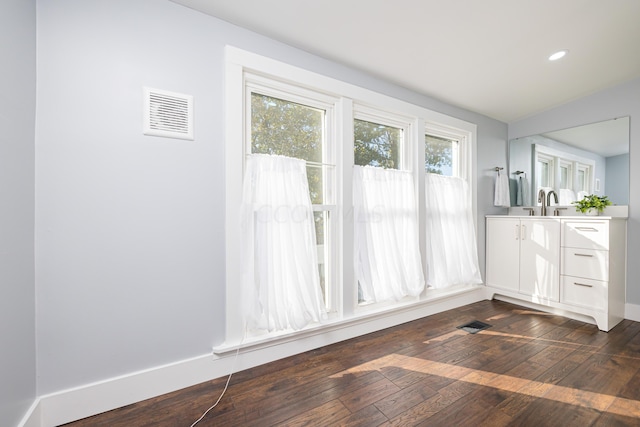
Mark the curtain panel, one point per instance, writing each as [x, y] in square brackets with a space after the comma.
[388, 265]
[281, 285]
[452, 255]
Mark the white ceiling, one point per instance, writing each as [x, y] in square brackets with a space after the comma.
[488, 56]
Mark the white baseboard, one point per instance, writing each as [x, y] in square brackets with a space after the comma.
[91, 399]
[632, 312]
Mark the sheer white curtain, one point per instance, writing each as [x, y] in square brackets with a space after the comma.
[452, 255]
[388, 265]
[281, 286]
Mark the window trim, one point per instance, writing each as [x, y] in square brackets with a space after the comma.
[238, 65]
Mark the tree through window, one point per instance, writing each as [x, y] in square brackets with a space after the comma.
[376, 144]
[440, 155]
[289, 129]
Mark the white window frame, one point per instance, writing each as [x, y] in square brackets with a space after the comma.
[542, 158]
[465, 133]
[350, 101]
[562, 163]
[589, 173]
[406, 125]
[255, 83]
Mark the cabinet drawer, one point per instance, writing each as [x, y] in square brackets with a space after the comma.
[583, 292]
[587, 263]
[586, 234]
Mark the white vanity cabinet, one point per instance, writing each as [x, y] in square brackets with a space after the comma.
[523, 255]
[575, 266]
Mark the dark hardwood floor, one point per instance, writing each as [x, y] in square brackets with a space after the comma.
[529, 369]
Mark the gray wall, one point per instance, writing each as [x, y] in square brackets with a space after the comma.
[619, 101]
[17, 288]
[130, 228]
[617, 179]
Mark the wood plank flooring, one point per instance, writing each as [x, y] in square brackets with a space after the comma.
[529, 369]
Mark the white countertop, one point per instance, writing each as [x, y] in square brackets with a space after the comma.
[610, 212]
[580, 217]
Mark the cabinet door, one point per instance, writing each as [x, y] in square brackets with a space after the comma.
[540, 258]
[503, 252]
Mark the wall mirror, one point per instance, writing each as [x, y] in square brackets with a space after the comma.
[588, 159]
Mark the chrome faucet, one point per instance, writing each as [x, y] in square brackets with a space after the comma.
[543, 201]
[546, 201]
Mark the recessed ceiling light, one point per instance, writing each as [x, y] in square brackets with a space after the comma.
[558, 55]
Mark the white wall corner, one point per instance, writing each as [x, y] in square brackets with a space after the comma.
[33, 417]
[632, 312]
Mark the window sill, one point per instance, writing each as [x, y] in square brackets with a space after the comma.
[276, 338]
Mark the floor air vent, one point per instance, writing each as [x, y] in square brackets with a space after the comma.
[474, 327]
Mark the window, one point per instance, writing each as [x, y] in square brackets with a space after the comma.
[565, 181]
[448, 151]
[282, 122]
[289, 129]
[274, 108]
[376, 144]
[544, 171]
[379, 141]
[441, 155]
[583, 178]
[449, 208]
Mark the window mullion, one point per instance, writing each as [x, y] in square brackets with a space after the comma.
[347, 298]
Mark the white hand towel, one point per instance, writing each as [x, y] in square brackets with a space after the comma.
[501, 196]
[566, 197]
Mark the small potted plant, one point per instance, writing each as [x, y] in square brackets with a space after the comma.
[592, 203]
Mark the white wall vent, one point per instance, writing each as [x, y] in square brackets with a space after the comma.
[168, 114]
